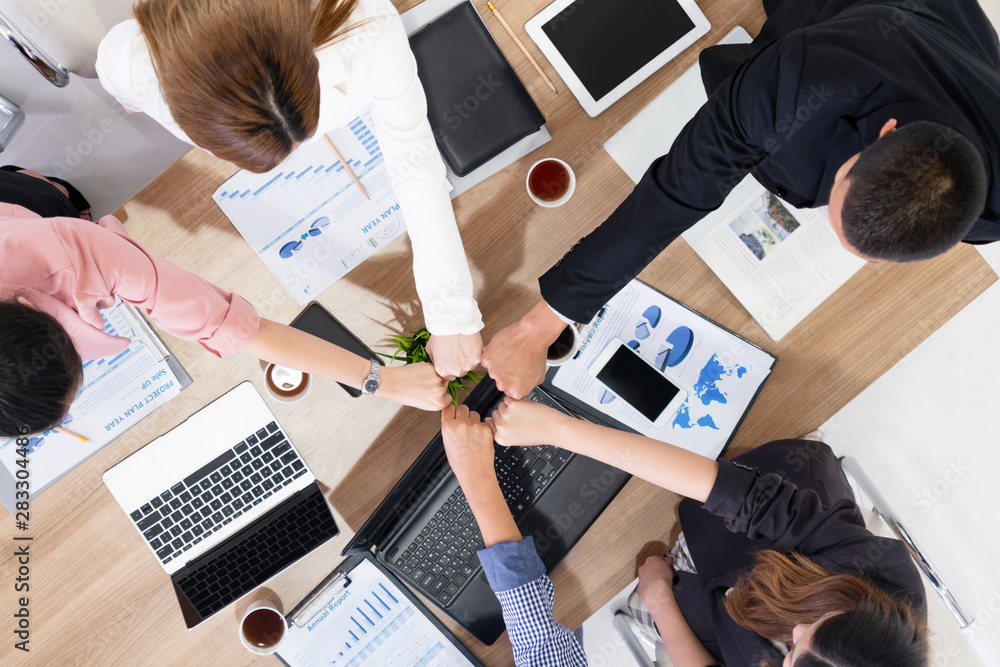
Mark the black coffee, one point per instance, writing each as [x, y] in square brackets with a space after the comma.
[263, 628]
[562, 346]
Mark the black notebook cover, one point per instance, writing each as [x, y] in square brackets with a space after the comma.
[476, 105]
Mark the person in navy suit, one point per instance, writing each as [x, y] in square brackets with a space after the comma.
[888, 111]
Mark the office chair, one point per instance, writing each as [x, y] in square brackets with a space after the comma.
[60, 36]
[881, 508]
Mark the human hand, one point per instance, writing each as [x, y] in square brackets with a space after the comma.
[455, 355]
[656, 581]
[468, 442]
[416, 385]
[515, 357]
[525, 423]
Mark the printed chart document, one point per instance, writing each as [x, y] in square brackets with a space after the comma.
[307, 220]
[370, 622]
[116, 393]
[781, 262]
[721, 372]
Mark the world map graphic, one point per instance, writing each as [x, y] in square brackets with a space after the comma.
[710, 388]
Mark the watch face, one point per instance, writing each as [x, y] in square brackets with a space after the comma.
[371, 386]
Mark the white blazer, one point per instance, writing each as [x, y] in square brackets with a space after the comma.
[373, 66]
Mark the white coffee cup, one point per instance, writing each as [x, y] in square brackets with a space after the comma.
[273, 618]
[569, 337]
[285, 384]
[551, 203]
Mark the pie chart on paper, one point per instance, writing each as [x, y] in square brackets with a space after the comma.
[675, 348]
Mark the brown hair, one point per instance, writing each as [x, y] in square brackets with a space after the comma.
[241, 77]
[787, 589]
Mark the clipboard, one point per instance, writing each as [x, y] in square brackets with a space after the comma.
[579, 407]
[361, 614]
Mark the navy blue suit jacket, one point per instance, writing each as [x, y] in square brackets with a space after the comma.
[813, 89]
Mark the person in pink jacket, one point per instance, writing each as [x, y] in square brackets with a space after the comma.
[56, 273]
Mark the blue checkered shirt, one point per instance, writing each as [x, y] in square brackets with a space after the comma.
[517, 577]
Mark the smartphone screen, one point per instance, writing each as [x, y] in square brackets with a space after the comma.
[318, 321]
[637, 383]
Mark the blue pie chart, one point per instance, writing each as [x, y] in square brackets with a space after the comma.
[675, 349]
[289, 249]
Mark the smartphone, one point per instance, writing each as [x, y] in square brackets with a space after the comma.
[635, 381]
[318, 321]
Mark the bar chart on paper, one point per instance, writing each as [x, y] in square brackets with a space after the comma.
[306, 218]
[370, 623]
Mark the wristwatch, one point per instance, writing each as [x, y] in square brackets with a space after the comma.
[370, 385]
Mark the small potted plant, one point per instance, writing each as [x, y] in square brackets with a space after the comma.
[413, 349]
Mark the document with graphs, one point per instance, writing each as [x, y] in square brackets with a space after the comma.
[360, 617]
[307, 219]
[116, 393]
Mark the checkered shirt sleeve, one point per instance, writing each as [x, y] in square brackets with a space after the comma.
[537, 639]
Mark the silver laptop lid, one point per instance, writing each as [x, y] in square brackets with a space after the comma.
[204, 436]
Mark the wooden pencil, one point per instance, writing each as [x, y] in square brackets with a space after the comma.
[510, 32]
[347, 166]
[71, 433]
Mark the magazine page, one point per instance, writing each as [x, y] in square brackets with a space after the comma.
[781, 262]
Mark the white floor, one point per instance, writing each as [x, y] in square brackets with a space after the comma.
[928, 432]
[81, 134]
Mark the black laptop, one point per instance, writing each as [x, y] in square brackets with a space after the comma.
[425, 533]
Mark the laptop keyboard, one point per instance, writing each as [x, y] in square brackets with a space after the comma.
[220, 491]
[442, 558]
[286, 536]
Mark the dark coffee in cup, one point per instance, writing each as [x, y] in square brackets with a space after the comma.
[549, 180]
[562, 345]
[263, 628]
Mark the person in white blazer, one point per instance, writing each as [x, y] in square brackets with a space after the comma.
[250, 80]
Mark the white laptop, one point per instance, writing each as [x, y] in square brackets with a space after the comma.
[224, 501]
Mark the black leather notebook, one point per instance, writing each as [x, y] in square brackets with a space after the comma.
[476, 105]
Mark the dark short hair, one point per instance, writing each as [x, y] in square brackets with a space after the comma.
[914, 193]
[39, 368]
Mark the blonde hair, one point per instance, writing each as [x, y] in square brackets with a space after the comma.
[241, 77]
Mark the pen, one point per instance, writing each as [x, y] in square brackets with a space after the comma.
[347, 166]
[70, 433]
[510, 32]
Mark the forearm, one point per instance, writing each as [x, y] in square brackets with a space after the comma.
[671, 467]
[490, 509]
[604, 261]
[683, 646]
[285, 346]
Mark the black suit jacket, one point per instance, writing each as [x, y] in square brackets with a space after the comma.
[785, 495]
[814, 88]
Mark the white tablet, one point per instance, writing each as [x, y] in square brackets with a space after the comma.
[603, 49]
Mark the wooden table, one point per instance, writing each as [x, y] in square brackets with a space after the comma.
[98, 598]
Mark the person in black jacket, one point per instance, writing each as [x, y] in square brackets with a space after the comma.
[778, 555]
[887, 110]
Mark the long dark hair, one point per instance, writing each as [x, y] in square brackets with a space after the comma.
[867, 627]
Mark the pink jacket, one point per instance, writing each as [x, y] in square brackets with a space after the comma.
[70, 269]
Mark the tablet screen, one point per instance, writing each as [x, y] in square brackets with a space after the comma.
[607, 41]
